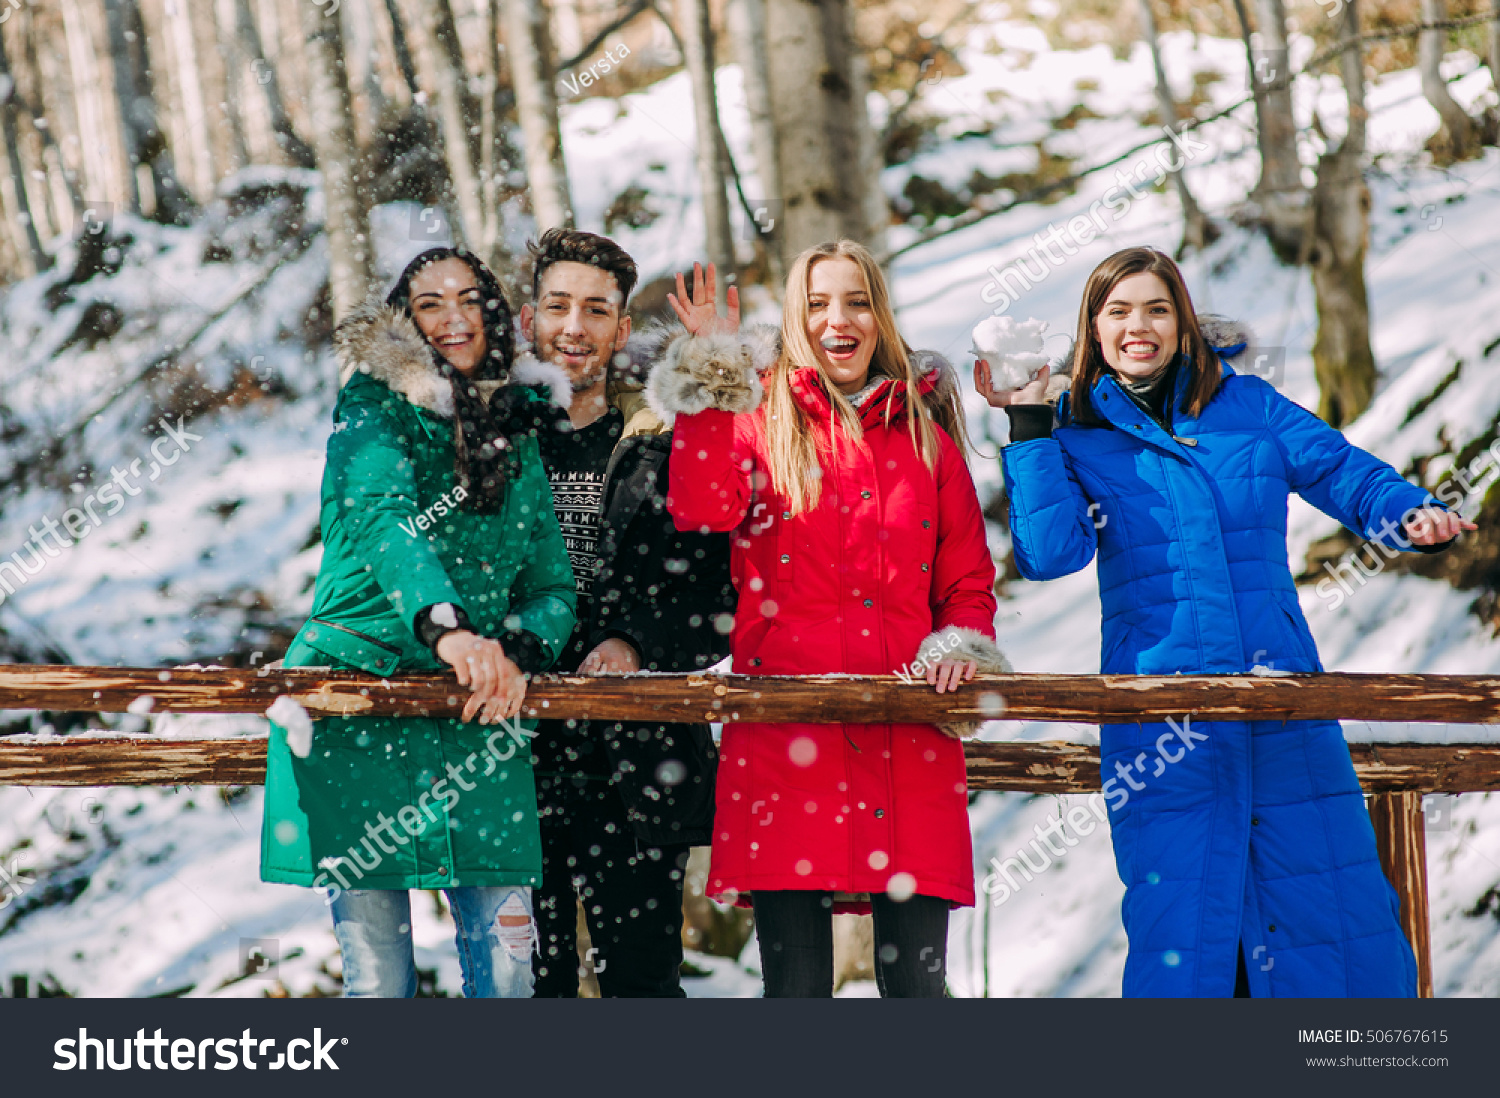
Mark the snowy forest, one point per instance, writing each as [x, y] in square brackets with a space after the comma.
[196, 191]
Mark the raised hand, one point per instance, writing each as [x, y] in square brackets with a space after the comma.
[1033, 392]
[700, 315]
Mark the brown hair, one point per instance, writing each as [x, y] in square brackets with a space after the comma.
[791, 452]
[562, 245]
[1088, 356]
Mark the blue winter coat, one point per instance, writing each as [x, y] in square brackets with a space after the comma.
[1228, 835]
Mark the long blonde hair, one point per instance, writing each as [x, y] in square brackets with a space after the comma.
[791, 450]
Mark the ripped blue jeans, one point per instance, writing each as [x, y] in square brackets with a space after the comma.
[373, 928]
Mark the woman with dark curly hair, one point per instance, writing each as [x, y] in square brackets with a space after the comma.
[441, 548]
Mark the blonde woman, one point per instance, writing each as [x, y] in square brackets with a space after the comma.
[857, 547]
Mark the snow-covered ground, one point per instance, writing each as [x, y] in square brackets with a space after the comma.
[155, 891]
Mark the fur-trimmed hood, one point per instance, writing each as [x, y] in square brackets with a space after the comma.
[689, 374]
[382, 341]
[1228, 337]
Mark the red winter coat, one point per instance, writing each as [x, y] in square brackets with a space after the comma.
[891, 553]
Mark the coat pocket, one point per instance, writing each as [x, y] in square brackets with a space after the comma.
[352, 648]
[1302, 642]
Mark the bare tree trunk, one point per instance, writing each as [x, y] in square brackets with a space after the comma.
[1284, 202]
[187, 111]
[1457, 137]
[567, 30]
[498, 154]
[351, 270]
[1197, 231]
[813, 103]
[223, 137]
[441, 64]
[526, 42]
[364, 80]
[292, 147]
[1495, 45]
[402, 48]
[747, 33]
[53, 112]
[697, 42]
[232, 67]
[28, 243]
[871, 157]
[1342, 357]
[145, 143]
[103, 182]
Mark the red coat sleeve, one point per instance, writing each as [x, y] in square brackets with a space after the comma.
[709, 485]
[963, 574]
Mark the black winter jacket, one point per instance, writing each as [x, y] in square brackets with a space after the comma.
[668, 594]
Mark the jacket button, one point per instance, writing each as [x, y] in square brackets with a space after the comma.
[1273, 928]
[755, 662]
[865, 494]
[926, 524]
[880, 815]
[786, 558]
[869, 603]
[786, 515]
[926, 567]
[443, 872]
[1254, 820]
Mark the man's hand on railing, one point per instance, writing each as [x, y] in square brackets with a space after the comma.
[498, 685]
[612, 656]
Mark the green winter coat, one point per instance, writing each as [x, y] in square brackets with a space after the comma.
[388, 802]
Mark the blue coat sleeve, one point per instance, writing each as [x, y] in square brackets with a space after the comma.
[1337, 477]
[1052, 533]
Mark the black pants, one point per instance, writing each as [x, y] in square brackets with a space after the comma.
[795, 930]
[631, 893]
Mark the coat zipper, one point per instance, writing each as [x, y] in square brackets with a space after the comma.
[357, 633]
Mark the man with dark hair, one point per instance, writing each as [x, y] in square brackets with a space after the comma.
[620, 804]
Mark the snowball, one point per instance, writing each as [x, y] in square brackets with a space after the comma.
[1261, 671]
[1014, 351]
[298, 725]
[142, 705]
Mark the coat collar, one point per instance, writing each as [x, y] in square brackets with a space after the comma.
[887, 404]
[1112, 402]
[383, 342]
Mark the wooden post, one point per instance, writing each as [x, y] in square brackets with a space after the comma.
[1401, 839]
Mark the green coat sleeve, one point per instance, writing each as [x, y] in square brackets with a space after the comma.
[372, 486]
[544, 601]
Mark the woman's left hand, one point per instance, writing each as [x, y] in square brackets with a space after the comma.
[946, 675]
[1433, 526]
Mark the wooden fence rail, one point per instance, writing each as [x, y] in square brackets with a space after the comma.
[1396, 775]
[1090, 699]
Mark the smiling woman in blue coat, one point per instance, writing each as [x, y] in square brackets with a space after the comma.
[1248, 858]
